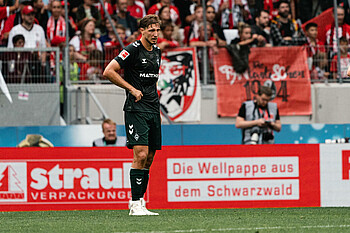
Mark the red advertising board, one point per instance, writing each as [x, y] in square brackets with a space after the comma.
[181, 177]
[286, 67]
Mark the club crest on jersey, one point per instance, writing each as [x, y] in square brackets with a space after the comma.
[123, 54]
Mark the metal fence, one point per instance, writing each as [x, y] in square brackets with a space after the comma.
[20, 65]
[26, 65]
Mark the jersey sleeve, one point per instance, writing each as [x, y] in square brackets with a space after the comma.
[126, 56]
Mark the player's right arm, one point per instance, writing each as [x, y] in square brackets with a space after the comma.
[111, 74]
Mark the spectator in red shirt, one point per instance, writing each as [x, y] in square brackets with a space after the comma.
[166, 41]
[136, 9]
[13, 20]
[343, 30]
[314, 45]
[344, 59]
[174, 12]
[191, 32]
[107, 6]
[5, 12]
[92, 70]
[86, 41]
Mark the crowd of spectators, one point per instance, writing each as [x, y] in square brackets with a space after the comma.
[41, 24]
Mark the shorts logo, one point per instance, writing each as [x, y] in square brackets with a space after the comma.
[144, 61]
[131, 130]
[139, 181]
[13, 183]
[123, 54]
[136, 137]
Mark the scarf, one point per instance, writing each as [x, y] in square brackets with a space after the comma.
[60, 28]
[343, 34]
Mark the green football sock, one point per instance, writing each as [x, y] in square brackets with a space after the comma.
[137, 182]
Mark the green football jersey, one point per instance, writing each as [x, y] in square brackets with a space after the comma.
[141, 70]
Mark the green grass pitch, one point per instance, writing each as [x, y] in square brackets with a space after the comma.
[179, 221]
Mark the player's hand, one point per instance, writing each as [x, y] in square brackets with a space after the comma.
[137, 93]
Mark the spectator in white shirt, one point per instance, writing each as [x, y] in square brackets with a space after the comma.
[34, 34]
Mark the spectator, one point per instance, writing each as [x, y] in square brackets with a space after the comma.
[107, 6]
[191, 32]
[14, 20]
[344, 59]
[262, 29]
[124, 18]
[218, 32]
[167, 41]
[109, 36]
[86, 41]
[110, 135]
[164, 16]
[343, 31]
[245, 35]
[73, 74]
[211, 43]
[111, 43]
[72, 25]
[259, 118]
[319, 67]
[34, 34]
[5, 12]
[285, 31]
[232, 12]
[314, 46]
[41, 14]
[239, 48]
[87, 11]
[56, 25]
[174, 12]
[136, 9]
[184, 11]
[92, 69]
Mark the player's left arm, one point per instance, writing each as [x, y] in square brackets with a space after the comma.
[111, 74]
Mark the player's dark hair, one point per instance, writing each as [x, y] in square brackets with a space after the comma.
[149, 20]
[265, 90]
[310, 25]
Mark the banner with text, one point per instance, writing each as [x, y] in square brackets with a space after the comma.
[286, 67]
[335, 175]
[180, 177]
[179, 86]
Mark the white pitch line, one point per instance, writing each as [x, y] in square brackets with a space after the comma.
[242, 229]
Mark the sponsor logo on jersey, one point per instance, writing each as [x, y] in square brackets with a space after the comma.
[143, 75]
[123, 54]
